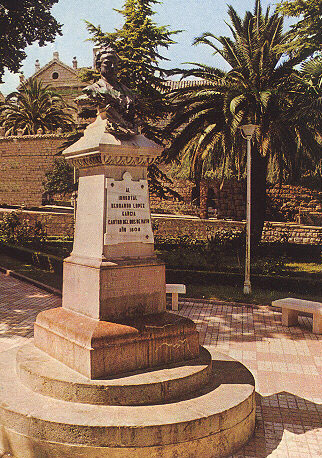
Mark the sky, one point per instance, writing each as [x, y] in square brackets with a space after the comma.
[194, 17]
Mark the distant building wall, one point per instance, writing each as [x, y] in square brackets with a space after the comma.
[23, 163]
[60, 77]
[66, 83]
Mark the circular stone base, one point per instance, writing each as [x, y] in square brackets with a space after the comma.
[213, 422]
[49, 377]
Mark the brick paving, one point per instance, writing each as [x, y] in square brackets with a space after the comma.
[286, 362]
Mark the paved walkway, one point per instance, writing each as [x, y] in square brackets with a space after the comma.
[286, 363]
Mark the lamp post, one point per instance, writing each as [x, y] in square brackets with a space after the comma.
[247, 132]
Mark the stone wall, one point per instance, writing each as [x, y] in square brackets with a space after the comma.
[176, 206]
[201, 229]
[295, 203]
[214, 198]
[227, 200]
[222, 199]
[62, 224]
[292, 233]
[24, 161]
[55, 223]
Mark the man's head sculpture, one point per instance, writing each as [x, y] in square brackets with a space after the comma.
[111, 96]
[107, 62]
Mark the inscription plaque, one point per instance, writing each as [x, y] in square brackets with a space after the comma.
[128, 211]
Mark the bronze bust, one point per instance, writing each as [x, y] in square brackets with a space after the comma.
[111, 95]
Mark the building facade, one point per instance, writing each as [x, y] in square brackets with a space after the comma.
[62, 77]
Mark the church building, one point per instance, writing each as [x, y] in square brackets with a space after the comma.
[62, 77]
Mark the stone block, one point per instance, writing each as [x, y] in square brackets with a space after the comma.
[110, 291]
[99, 348]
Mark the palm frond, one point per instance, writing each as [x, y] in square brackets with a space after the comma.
[260, 88]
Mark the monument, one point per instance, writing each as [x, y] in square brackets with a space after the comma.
[112, 373]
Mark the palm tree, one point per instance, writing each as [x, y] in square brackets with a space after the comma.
[35, 106]
[259, 88]
[306, 117]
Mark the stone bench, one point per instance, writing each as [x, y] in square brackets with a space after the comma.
[291, 308]
[175, 290]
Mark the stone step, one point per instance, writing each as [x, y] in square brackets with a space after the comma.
[213, 423]
[45, 375]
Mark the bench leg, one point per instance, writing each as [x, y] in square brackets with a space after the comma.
[289, 317]
[317, 323]
[175, 301]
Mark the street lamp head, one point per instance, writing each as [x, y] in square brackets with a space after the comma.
[247, 130]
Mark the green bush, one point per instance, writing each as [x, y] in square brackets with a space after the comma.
[180, 241]
[182, 251]
[227, 239]
[223, 242]
[185, 259]
[60, 180]
[17, 232]
[270, 265]
[189, 252]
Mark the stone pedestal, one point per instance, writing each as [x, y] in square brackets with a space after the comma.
[113, 317]
[111, 373]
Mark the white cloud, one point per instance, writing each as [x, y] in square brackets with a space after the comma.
[10, 82]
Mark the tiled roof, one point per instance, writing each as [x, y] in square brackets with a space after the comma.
[173, 85]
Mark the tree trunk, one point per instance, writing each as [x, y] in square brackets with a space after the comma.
[258, 195]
